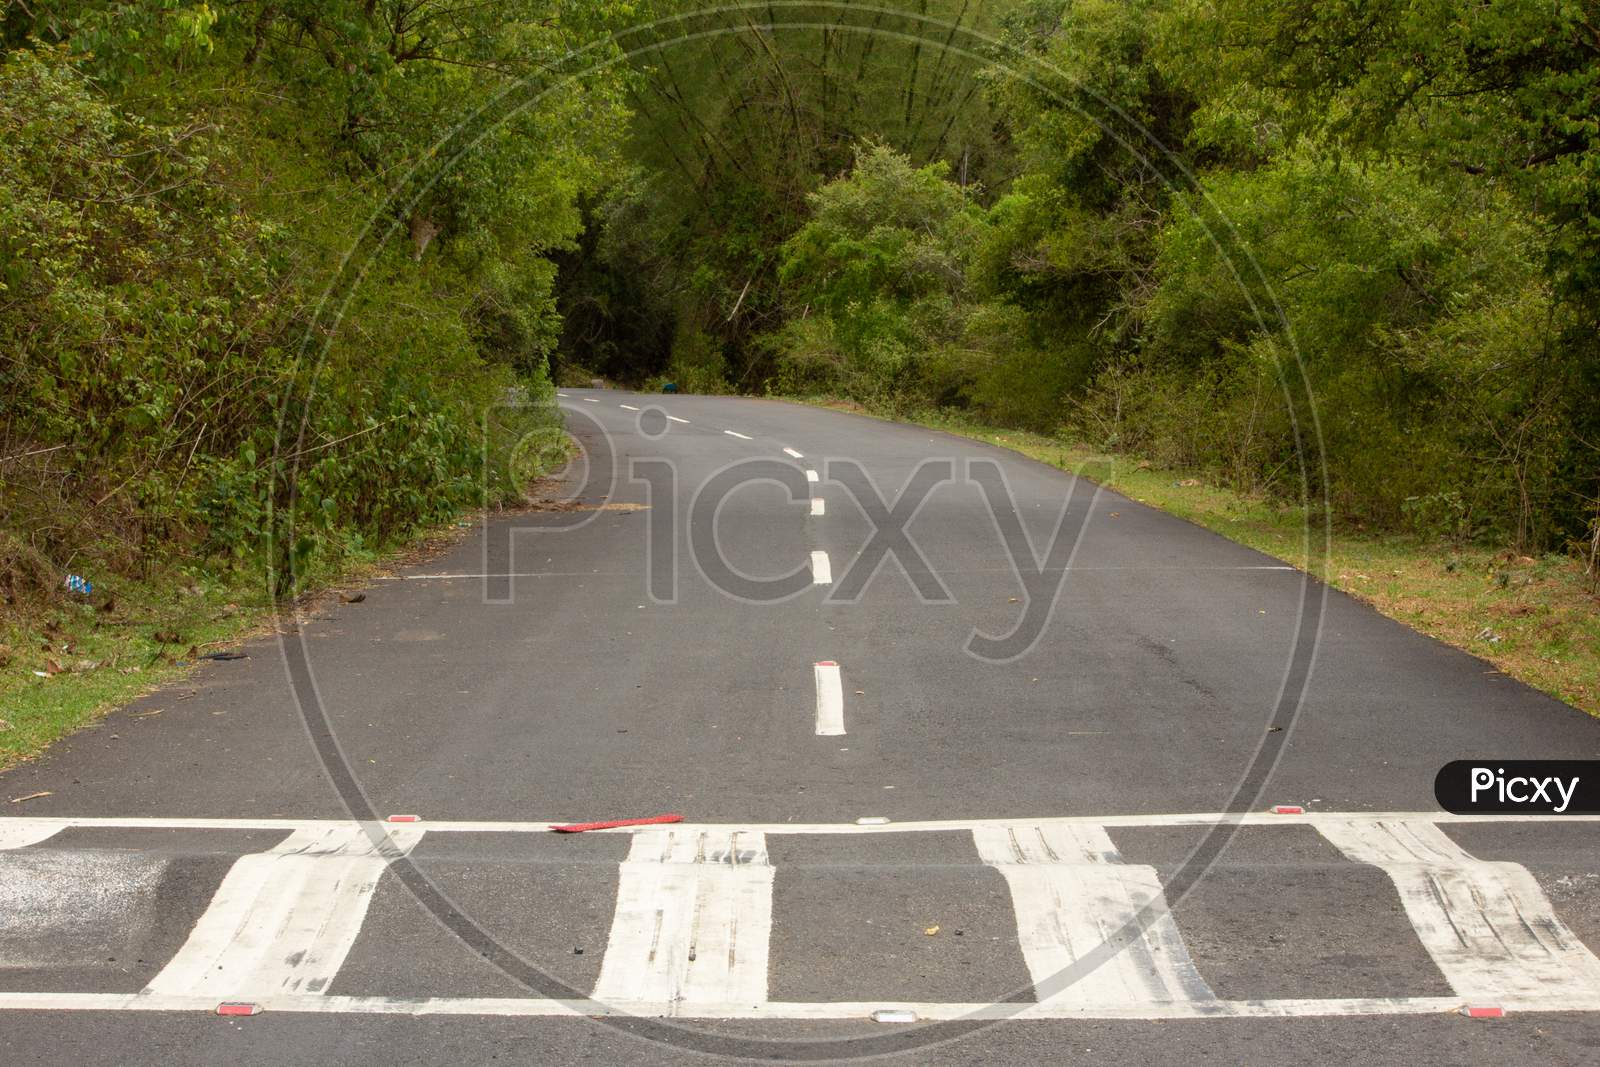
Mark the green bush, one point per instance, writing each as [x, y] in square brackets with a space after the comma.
[1418, 332]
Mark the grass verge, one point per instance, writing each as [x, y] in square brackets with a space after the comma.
[67, 660]
[1537, 620]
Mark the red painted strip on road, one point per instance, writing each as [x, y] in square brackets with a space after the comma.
[1288, 809]
[405, 818]
[826, 663]
[580, 827]
[236, 1007]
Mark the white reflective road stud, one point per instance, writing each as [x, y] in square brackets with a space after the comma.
[283, 920]
[693, 921]
[1076, 900]
[20, 833]
[1487, 925]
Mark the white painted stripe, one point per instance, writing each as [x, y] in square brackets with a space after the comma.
[693, 921]
[1260, 818]
[736, 433]
[591, 400]
[675, 418]
[282, 921]
[792, 452]
[833, 1009]
[811, 476]
[563, 394]
[1487, 925]
[830, 700]
[818, 507]
[20, 833]
[627, 407]
[821, 569]
[1075, 900]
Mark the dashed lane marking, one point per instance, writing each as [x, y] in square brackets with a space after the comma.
[791, 452]
[736, 433]
[818, 506]
[821, 569]
[830, 699]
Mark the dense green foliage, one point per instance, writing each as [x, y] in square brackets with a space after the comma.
[738, 115]
[212, 301]
[295, 252]
[1228, 236]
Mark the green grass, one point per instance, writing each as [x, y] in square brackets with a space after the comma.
[106, 645]
[107, 657]
[1545, 612]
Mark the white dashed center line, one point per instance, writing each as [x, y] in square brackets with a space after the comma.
[564, 394]
[817, 506]
[830, 700]
[675, 418]
[591, 400]
[792, 452]
[821, 569]
[627, 407]
[811, 476]
[736, 433]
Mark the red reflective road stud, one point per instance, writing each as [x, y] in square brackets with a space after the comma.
[238, 1007]
[1483, 1013]
[1288, 809]
[405, 818]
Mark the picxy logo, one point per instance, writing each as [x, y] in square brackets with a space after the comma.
[1521, 789]
[1554, 787]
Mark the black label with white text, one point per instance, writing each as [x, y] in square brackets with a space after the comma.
[1523, 787]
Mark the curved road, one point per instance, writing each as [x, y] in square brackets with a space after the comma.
[1007, 845]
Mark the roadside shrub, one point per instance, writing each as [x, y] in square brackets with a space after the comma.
[1417, 308]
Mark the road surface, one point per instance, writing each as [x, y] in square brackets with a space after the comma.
[1060, 849]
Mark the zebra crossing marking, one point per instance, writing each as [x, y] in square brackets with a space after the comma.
[691, 931]
[282, 921]
[20, 833]
[1488, 926]
[1077, 902]
[693, 921]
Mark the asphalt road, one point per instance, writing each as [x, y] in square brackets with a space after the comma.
[1039, 878]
